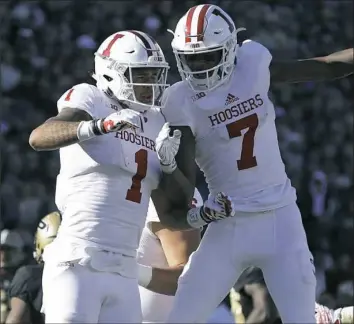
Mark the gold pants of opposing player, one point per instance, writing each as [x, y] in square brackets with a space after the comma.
[274, 241]
[73, 293]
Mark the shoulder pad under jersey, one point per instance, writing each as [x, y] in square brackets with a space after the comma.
[256, 52]
[81, 96]
[174, 105]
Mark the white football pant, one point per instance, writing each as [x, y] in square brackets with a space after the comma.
[73, 293]
[274, 241]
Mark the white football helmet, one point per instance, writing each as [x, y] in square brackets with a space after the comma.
[205, 46]
[131, 67]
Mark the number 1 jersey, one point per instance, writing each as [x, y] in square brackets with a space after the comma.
[104, 184]
[236, 139]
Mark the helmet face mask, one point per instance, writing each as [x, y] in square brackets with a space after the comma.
[133, 74]
[199, 62]
[204, 70]
[144, 83]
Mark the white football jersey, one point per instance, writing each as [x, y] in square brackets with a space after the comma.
[236, 139]
[155, 307]
[104, 184]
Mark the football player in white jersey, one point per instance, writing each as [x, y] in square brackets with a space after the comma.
[229, 120]
[109, 167]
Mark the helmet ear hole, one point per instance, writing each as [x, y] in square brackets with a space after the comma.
[108, 78]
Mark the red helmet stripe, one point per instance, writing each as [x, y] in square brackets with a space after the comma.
[201, 18]
[107, 51]
[188, 30]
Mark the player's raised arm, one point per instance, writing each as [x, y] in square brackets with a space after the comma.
[76, 122]
[330, 67]
[175, 147]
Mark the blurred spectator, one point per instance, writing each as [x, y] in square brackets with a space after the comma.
[13, 254]
[47, 46]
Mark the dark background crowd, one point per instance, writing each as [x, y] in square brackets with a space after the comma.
[47, 46]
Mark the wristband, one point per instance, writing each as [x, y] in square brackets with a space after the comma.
[194, 218]
[85, 131]
[144, 275]
[169, 168]
[89, 129]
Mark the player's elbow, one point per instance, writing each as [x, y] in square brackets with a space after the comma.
[39, 139]
[35, 140]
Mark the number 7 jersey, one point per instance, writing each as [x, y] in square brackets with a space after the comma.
[104, 185]
[236, 139]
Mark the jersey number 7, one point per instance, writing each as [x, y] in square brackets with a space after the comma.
[141, 159]
[247, 160]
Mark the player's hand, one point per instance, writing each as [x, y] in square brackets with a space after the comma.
[344, 315]
[167, 147]
[323, 314]
[118, 121]
[218, 208]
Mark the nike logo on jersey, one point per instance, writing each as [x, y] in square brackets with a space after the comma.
[230, 99]
[136, 139]
[236, 110]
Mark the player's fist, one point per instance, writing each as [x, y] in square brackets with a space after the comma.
[218, 208]
[117, 121]
[167, 147]
[213, 209]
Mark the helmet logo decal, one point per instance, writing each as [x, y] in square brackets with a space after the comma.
[107, 51]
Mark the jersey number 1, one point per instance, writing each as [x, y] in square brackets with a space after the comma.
[247, 160]
[141, 159]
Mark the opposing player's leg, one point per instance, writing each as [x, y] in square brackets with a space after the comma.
[71, 293]
[290, 273]
[122, 304]
[207, 277]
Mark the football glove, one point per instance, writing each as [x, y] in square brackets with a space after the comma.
[117, 121]
[344, 315]
[167, 147]
[214, 209]
[323, 314]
